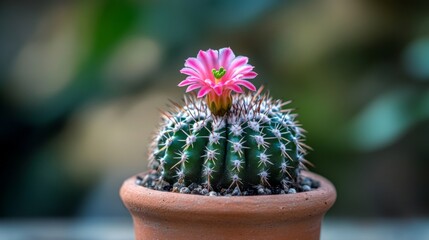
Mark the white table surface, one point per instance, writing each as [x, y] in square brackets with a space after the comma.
[121, 228]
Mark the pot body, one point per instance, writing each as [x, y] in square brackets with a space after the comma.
[166, 215]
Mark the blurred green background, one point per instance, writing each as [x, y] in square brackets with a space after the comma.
[81, 83]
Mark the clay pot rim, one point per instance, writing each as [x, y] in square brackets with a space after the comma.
[158, 203]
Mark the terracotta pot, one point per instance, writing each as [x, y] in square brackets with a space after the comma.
[166, 215]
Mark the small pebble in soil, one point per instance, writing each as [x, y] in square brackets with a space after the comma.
[306, 181]
[204, 191]
[236, 192]
[178, 185]
[193, 186]
[185, 190]
[212, 193]
[306, 188]
[315, 184]
[291, 190]
[197, 190]
[139, 180]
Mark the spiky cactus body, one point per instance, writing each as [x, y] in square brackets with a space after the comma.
[256, 143]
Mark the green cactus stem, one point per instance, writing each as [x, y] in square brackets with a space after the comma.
[257, 142]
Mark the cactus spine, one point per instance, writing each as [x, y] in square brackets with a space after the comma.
[257, 142]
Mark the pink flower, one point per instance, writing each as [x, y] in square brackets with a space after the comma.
[201, 75]
[216, 74]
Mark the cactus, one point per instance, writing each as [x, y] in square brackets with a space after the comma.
[228, 141]
[257, 142]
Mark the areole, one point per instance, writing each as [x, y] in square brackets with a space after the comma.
[166, 215]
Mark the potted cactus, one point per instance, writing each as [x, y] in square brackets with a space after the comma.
[227, 164]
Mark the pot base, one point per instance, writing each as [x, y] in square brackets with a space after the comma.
[166, 215]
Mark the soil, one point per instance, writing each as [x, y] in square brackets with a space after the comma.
[304, 184]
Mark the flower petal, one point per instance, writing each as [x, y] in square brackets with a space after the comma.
[226, 55]
[235, 88]
[185, 82]
[195, 64]
[241, 70]
[237, 62]
[235, 65]
[218, 89]
[193, 87]
[249, 75]
[246, 84]
[209, 82]
[206, 60]
[190, 72]
[214, 57]
[203, 91]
